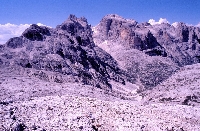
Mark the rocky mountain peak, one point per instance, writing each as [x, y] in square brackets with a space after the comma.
[113, 16]
[35, 32]
[78, 28]
[74, 19]
[116, 17]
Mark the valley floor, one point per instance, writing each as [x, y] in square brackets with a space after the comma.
[52, 113]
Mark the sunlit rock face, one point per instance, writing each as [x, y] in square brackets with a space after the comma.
[180, 42]
[146, 44]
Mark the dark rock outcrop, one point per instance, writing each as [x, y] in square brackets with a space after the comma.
[35, 32]
[15, 42]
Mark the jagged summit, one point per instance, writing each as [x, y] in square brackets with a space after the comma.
[35, 32]
[72, 18]
[118, 17]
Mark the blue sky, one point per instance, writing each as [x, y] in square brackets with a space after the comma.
[54, 12]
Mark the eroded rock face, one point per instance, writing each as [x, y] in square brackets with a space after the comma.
[123, 31]
[180, 43]
[170, 45]
[136, 49]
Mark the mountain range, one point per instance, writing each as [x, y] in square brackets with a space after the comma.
[117, 60]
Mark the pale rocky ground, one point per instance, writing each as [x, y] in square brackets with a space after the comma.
[40, 105]
[83, 113]
[181, 88]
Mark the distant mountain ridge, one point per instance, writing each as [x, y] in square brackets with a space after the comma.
[180, 42]
[116, 50]
[150, 52]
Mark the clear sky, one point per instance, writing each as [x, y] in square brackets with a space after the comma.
[54, 12]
